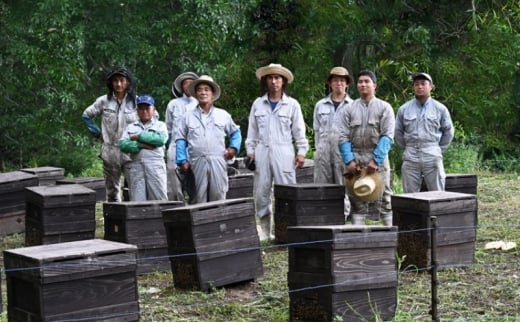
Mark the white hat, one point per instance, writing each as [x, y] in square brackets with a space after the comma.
[192, 89]
[274, 69]
[366, 187]
[422, 75]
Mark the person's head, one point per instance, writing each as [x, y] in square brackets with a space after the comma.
[273, 77]
[366, 83]
[145, 107]
[182, 82]
[205, 90]
[119, 81]
[339, 79]
[422, 85]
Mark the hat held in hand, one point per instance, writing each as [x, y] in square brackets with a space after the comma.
[366, 187]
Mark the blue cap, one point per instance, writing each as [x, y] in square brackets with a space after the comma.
[145, 99]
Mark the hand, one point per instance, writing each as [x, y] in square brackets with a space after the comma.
[299, 161]
[351, 170]
[230, 153]
[101, 138]
[146, 146]
[185, 167]
[372, 167]
[134, 137]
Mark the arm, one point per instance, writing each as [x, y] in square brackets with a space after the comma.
[235, 140]
[88, 117]
[382, 148]
[156, 139]
[298, 133]
[252, 133]
[447, 129]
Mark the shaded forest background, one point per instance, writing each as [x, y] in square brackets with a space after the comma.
[54, 54]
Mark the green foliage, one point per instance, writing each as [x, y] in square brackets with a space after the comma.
[53, 55]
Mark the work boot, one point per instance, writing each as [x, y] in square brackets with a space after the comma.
[265, 232]
[357, 219]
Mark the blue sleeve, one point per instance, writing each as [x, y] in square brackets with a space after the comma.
[181, 155]
[345, 148]
[91, 126]
[235, 140]
[382, 149]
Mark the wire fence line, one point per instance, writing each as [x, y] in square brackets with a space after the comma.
[99, 263]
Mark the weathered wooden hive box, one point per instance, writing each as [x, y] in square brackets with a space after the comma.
[59, 213]
[141, 224]
[457, 227]
[12, 200]
[89, 280]
[461, 183]
[240, 185]
[94, 183]
[342, 271]
[307, 204]
[306, 173]
[213, 244]
[47, 175]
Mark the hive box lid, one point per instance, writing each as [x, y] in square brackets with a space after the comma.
[434, 202]
[45, 171]
[16, 181]
[60, 195]
[202, 213]
[343, 236]
[139, 209]
[83, 180]
[309, 191]
[71, 250]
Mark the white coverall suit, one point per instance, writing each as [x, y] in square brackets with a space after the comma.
[328, 165]
[204, 136]
[270, 138]
[424, 131]
[146, 173]
[115, 118]
[174, 112]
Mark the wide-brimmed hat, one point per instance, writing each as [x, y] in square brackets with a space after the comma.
[274, 69]
[340, 71]
[177, 84]
[192, 89]
[366, 187]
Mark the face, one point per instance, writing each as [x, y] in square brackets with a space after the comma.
[145, 112]
[204, 94]
[274, 83]
[119, 83]
[366, 86]
[422, 88]
[338, 84]
[185, 85]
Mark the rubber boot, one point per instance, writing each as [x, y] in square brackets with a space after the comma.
[357, 219]
[265, 228]
[387, 219]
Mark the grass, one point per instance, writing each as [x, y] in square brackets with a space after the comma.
[489, 290]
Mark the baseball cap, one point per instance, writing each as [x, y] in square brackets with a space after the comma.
[422, 76]
[145, 99]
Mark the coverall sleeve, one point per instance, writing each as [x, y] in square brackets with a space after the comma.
[88, 116]
[399, 128]
[447, 130]
[345, 145]
[298, 131]
[252, 132]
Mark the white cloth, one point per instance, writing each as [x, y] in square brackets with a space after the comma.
[271, 137]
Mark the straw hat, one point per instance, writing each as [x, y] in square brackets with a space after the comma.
[192, 89]
[274, 69]
[366, 187]
[340, 71]
[177, 84]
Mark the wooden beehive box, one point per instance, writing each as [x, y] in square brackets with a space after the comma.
[342, 271]
[47, 175]
[457, 227]
[305, 174]
[213, 244]
[462, 183]
[307, 204]
[240, 185]
[94, 183]
[140, 223]
[88, 280]
[12, 200]
[59, 213]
